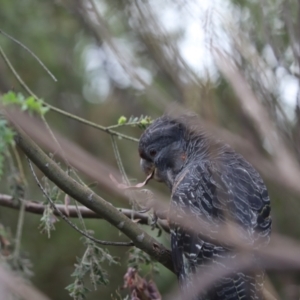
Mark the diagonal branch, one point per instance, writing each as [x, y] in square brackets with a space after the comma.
[64, 217]
[87, 197]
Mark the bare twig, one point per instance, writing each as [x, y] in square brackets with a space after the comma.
[38, 208]
[20, 224]
[32, 54]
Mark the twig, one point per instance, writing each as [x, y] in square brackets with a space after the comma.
[38, 208]
[28, 50]
[119, 160]
[21, 205]
[69, 222]
[16, 74]
[19, 164]
[92, 124]
[18, 238]
[123, 173]
[123, 125]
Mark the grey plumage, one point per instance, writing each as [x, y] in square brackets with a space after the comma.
[210, 181]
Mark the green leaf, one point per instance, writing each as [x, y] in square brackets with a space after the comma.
[29, 104]
[11, 98]
[122, 120]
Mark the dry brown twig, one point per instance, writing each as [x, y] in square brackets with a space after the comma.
[38, 208]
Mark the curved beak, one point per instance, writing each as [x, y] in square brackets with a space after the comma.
[147, 166]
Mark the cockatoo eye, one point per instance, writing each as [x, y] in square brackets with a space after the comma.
[152, 152]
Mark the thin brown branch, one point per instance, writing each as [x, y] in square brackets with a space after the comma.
[31, 53]
[38, 208]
